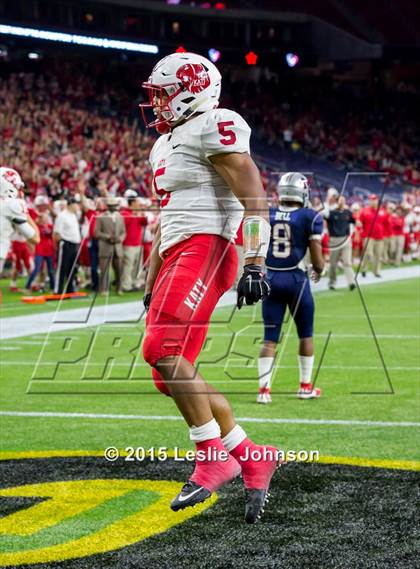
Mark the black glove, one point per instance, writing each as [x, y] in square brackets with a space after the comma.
[252, 286]
[147, 299]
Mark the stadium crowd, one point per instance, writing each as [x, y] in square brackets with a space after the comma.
[80, 155]
[374, 132]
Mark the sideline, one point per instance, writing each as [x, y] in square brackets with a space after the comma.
[133, 312]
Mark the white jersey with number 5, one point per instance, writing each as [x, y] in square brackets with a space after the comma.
[194, 198]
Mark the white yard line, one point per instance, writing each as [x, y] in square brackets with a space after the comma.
[118, 417]
[135, 333]
[17, 344]
[130, 313]
[208, 365]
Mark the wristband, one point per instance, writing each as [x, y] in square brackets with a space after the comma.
[257, 232]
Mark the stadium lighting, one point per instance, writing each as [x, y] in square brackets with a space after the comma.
[214, 55]
[251, 58]
[106, 43]
[34, 55]
[292, 59]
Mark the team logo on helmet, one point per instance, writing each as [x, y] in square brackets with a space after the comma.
[13, 178]
[194, 77]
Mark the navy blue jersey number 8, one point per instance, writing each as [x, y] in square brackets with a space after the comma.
[281, 240]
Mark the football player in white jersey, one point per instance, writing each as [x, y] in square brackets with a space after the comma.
[13, 213]
[207, 182]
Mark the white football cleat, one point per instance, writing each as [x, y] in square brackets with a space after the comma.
[308, 391]
[261, 395]
[264, 395]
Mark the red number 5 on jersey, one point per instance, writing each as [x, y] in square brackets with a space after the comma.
[228, 135]
[164, 196]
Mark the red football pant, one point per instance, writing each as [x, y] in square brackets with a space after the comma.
[194, 275]
[22, 255]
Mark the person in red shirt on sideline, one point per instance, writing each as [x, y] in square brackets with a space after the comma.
[85, 262]
[356, 238]
[152, 216]
[409, 218]
[44, 251]
[416, 229]
[387, 211]
[372, 220]
[135, 222]
[93, 247]
[398, 236]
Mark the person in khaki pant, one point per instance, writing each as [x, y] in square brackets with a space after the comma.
[339, 220]
[388, 238]
[110, 232]
[135, 222]
[398, 238]
[372, 219]
[373, 252]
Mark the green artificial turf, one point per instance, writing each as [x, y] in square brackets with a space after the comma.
[364, 377]
[319, 515]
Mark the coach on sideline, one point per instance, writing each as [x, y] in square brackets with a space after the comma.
[339, 220]
[67, 236]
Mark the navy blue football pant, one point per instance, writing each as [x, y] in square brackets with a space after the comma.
[288, 289]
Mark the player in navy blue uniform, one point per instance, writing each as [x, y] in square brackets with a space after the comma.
[294, 228]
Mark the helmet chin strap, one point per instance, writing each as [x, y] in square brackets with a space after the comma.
[166, 127]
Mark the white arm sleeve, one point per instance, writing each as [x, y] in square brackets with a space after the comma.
[17, 211]
[225, 131]
[18, 216]
[25, 229]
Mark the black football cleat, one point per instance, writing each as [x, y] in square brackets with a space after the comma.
[255, 501]
[190, 495]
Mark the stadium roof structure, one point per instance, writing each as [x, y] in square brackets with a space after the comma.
[236, 30]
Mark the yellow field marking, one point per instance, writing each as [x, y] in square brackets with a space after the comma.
[20, 454]
[16, 455]
[153, 519]
[64, 502]
[376, 462]
[350, 460]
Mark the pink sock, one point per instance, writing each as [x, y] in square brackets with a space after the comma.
[213, 464]
[258, 463]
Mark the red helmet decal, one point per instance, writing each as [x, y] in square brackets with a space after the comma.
[194, 77]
